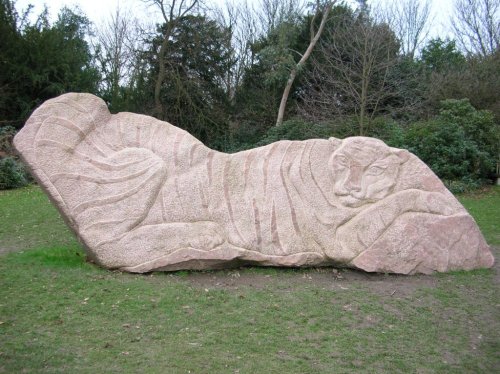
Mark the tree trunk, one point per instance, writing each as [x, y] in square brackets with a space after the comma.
[284, 98]
[159, 109]
[172, 11]
[293, 73]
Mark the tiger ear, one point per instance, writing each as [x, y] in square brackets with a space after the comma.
[402, 154]
[335, 142]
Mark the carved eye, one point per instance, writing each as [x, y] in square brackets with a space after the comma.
[375, 170]
[342, 161]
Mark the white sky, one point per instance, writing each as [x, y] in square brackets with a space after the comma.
[98, 10]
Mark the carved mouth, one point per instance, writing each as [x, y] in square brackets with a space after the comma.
[351, 201]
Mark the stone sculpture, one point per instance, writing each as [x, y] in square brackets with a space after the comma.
[143, 195]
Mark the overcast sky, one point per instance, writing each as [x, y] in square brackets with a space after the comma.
[97, 10]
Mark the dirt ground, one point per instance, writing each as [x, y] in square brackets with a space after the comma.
[326, 278]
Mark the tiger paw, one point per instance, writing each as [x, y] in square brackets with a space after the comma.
[205, 237]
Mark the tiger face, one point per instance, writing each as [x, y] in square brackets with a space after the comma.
[364, 170]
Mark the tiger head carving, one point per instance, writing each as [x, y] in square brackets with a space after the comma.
[364, 170]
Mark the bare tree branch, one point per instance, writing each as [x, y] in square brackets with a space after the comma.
[325, 10]
[411, 21]
[476, 25]
[350, 75]
[116, 43]
[172, 11]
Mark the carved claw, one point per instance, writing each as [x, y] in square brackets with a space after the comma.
[206, 241]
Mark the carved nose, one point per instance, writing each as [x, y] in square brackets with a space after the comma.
[354, 187]
[354, 180]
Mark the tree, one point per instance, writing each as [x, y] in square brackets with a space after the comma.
[411, 21]
[242, 23]
[477, 26]
[59, 57]
[350, 74]
[273, 55]
[314, 37]
[11, 43]
[476, 78]
[273, 14]
[117, 44]
[172, 11]
[40, 61]
[442, 55]
[196, 60]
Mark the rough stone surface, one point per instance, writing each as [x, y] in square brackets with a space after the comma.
[144, 195]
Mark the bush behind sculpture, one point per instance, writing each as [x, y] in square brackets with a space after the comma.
[12, 171]
[460, 144]
[12, 174]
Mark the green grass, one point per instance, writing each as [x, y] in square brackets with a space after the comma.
[61, 314]
[485, 208]
[28, 220]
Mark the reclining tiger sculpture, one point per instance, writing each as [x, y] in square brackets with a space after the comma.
[143, 195]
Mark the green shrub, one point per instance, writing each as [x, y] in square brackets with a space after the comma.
[12, 174]
[446, 149]
[6, 135]
[479, 126]
[464, 185]
[391, 132]
[296, 129]
[244, 135]
[459, 145]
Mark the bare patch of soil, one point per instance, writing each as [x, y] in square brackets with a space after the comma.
[326, 278]
[391, 285]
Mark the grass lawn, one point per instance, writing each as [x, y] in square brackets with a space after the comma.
[61, 314]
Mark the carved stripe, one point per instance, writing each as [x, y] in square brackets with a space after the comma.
[178, 193]
[112, 199]
[84, 111]
[63, 122]
[107, 241]
[248, 163]
[88, 178]
[152, 131]
[155, 193]
[100, 164]
[110, 222]
[289, 199]
[266, 164]
[275, 236]
[138, 135]
[177, 142]
[256, 216]
[156, 137]
[315, 181]
[301, 164]
[120, 132]
[103, 138]
[204, 202]
[106, 166]
[227, 197]
[192, 152]
[163, 213]
[82, 136]
[80, 109]
[55, 143]
[210, 157]
[95, 146]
